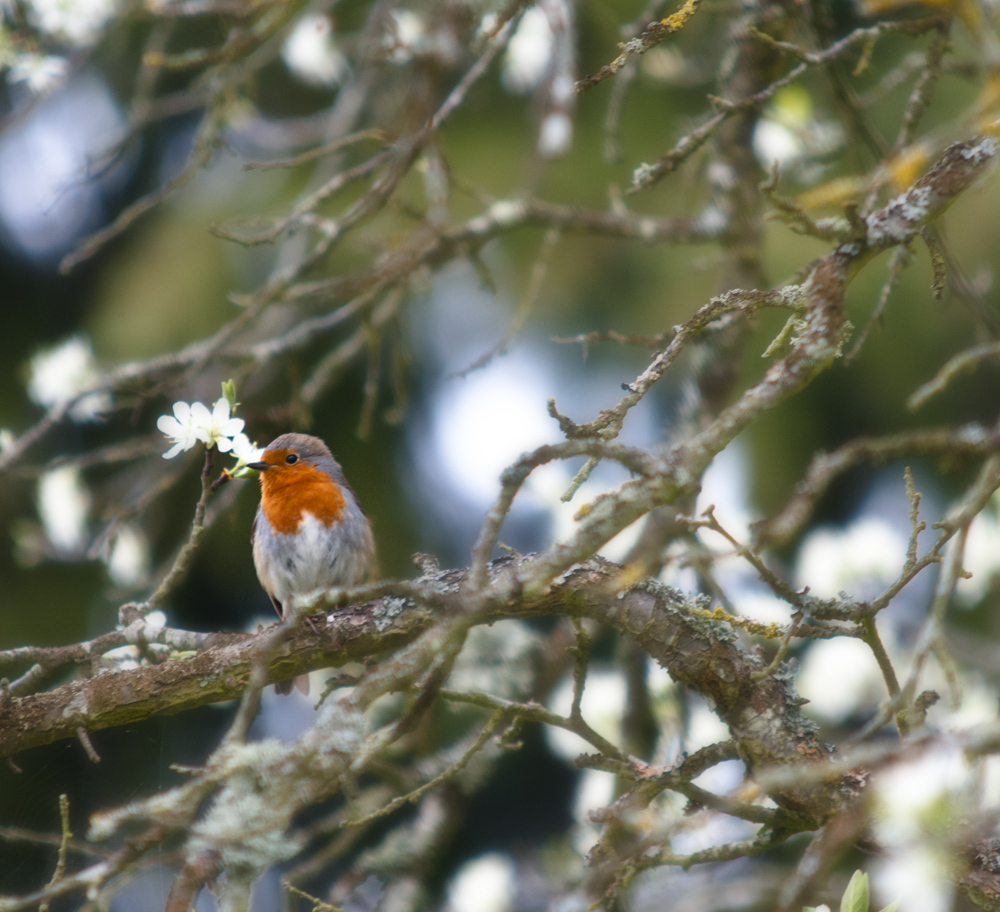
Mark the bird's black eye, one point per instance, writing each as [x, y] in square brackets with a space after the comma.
[291, 459]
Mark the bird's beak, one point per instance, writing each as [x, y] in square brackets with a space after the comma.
[259, 466]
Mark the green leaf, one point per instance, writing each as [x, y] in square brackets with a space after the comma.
[855, 898]
[229, 394]
[892, 907]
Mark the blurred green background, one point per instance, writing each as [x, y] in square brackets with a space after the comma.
[167, 282]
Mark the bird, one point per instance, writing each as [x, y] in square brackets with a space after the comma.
[310, 531]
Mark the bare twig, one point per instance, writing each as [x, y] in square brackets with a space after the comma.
[967, 360]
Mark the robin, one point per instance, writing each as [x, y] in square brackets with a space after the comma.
[309, 532]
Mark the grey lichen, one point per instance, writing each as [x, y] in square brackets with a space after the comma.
[387, 610]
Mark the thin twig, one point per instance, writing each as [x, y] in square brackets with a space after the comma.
[534, 712]
[647, 175]
[184, 557]
[330, 148]
[499, 717]
[64, 842]
[967, 360]
[898, 261]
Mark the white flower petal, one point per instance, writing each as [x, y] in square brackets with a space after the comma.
[41, 73]
[128, 559]
[484, 884]
[529, 52]
[169, 425]
[201, 417]
[63, 503]
[245, 450]
[79, 22]
[182, 430]
[60, 374]
[220, 411]
[310, 53]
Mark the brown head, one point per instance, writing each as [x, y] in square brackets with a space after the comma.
[298, 472]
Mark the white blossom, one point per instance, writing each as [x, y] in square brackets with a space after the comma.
[484, 884]
[63, 503]
[7, 439]
[78, 22]
[311, 54]
[555, 134]
[216, 428]
[194, 423]
[918, 878]
[245, 450]
[529, 53]
[59, 374]
[41, 73]
[405, 35]
[774, 143]
[128, 558]
[183, 428]
[789, 131]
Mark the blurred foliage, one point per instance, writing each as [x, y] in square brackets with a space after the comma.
[172, 278]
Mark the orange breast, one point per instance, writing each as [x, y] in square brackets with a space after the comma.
[288, 491]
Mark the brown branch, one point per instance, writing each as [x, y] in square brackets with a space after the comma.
[763, 716]
[651, 36]
[219, 672]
